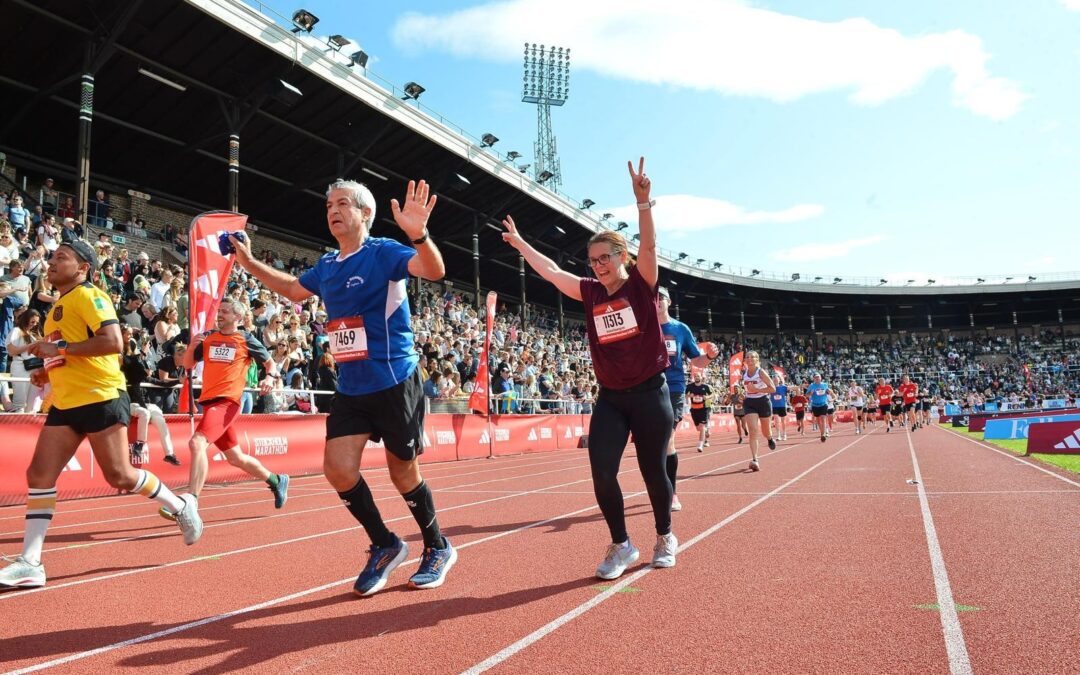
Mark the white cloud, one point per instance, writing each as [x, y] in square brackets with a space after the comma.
[723, 46]
[689, 213]
[813, 252]
[1071, 5]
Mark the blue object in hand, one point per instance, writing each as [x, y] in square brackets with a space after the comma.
[225, 245]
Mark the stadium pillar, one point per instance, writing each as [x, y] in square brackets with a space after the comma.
[708, 316]
[521, 275]
[234, 172]
[476, 258]
[82, 163]
[1016, 332]
[779, 339]
[742, 324]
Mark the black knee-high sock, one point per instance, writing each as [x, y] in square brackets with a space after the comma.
[673, 470]
[362, 506]
[422, 505]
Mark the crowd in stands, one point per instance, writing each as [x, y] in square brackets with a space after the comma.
[533, 367]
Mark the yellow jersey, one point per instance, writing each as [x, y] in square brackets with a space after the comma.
[82, 380]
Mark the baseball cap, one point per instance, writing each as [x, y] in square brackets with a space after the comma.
[84, 252]
[664, 292]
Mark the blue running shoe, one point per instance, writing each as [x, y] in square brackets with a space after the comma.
[380, 564]
[281, 491]
[434, 565]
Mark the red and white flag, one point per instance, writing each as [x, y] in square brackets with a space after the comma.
[478, 401]
[209, 272]
[735, 368]
[781, 374]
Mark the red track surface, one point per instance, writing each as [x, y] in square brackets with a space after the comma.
[822, 562]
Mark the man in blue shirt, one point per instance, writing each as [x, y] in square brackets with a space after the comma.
[778, 399]
[679, 342]
[380, 393]
[818, 392]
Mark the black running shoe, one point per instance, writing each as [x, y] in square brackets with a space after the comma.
[171, 459]
[772, 444]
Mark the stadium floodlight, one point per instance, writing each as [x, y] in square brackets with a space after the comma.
[359, 58]
[544, 176]
[931, 282]
[413, 91]
[607, 216]
[882, 282]
[1031, 278]
[488, 140]
[980, 280]
[512, 155]
[621, 225]
[754, 273]
[717, 266]
[700, 261]
[524, 167]
[586, 203]
[1007, 280]
[910, 281]
[836, 280]
[303, 20]
[336, 42]
[682, 256]
[795, 277]
[817, 279]
[636, 237]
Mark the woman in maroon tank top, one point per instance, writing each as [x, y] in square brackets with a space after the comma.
[629, 357]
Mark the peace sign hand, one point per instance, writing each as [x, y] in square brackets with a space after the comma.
[413, 218]
[511, 235]
[640, 181]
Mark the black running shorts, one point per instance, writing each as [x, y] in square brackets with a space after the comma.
[757, 406]
[93, 417]
[394, 415]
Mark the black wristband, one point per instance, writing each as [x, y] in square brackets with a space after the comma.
[422, 239]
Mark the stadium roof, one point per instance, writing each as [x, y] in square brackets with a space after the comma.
[227, 62]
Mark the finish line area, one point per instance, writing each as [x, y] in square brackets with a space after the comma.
[900, 552]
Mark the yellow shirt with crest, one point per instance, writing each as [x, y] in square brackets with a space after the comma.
[83, 380]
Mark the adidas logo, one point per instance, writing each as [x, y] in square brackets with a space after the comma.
[1070, 442]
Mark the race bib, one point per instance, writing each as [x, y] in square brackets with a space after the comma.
[54, 361]
[615, 321]
[670, 345]
[222, 353]
[348, 339]
[697, 399]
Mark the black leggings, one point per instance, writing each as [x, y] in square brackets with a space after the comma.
[648, 415]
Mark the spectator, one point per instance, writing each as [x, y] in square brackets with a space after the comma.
[19, 282]
[50, 198]
[98, 209]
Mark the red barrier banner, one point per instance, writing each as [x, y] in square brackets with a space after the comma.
[1054, 438]
[293, 444]
[977, 421]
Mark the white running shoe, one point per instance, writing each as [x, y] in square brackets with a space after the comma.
[188, 519]
[664, 551]
[21, 574]
[676, 505]
[616, 560]
[754, 466]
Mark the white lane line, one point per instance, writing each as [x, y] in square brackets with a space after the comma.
[318, 589]
[52, 587]
[955, 647]
[1011, 456]
[547, 629]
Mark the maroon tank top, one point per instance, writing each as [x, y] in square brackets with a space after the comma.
[625, 340]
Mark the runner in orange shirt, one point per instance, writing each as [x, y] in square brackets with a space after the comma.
[884, 394]
[910, 391]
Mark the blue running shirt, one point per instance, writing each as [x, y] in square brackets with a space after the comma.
[779, 397]
[678, 340]
[819, 394]
[370, 284]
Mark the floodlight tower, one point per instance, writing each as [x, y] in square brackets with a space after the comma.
[547, 83]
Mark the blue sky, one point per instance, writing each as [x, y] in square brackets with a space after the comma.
[898, 140]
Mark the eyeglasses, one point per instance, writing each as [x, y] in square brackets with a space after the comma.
[602, 259]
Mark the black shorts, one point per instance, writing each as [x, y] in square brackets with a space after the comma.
[94, 417]
[739, 412]
[699, 416]
[858, 408]
[871, 411]
[678, 406]
[757, 406]
[819, 410]
[394, 415]
[909, 406]
[780, 412]
[897, 410]
[800, 415]
[927, 407]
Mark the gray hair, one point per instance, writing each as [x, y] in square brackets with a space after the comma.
[235, 305]
[359, 192]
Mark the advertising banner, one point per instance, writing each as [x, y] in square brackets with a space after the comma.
[1054, 438]
[1017, 427]
[979, 420]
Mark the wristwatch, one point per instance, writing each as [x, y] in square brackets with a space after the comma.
[61, 347]
[422, 239]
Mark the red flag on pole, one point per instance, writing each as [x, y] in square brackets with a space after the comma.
[781, 374]
[735, 370]
[478, 401]
[209, 273]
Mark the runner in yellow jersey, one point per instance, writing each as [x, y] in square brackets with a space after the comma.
[82, 341]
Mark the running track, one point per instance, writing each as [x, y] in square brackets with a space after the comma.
[829, 560]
